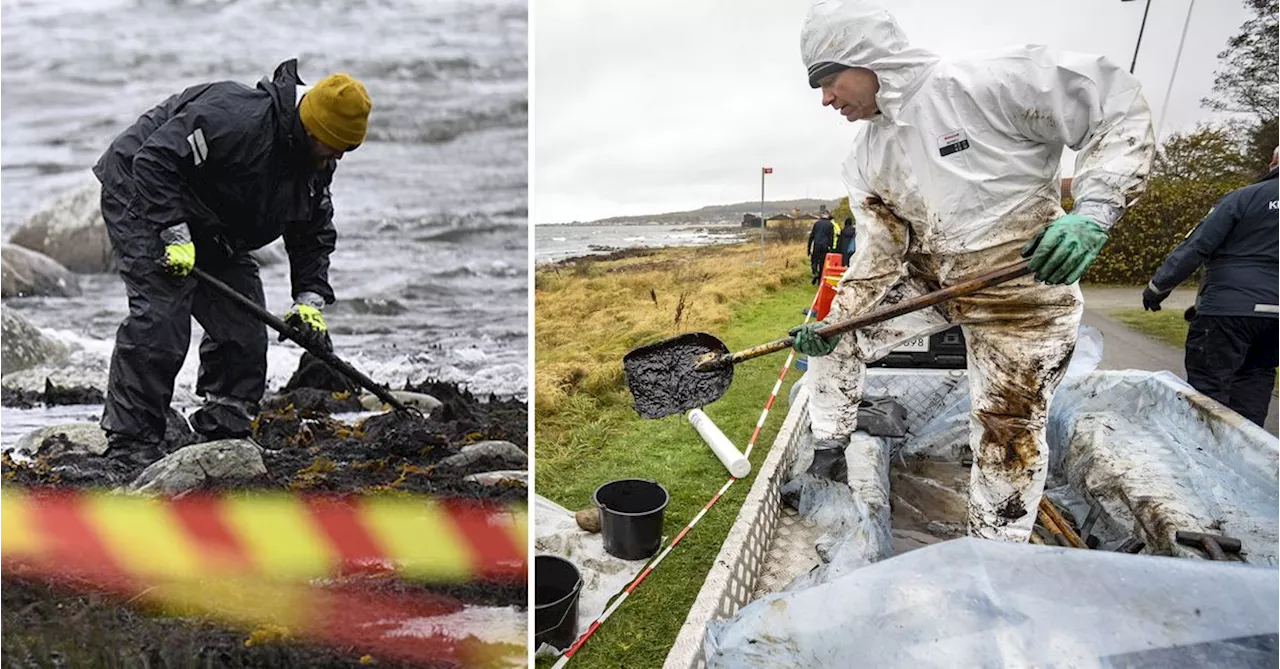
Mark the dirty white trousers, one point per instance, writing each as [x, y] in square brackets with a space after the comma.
[1019, 335]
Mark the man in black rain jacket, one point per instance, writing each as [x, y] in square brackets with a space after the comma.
[821, 237]
[1231, 352]
[845, 241]
[204, 178]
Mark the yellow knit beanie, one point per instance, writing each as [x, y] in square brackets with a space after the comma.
[336, 111]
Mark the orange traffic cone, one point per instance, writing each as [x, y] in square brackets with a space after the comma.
[832, 269]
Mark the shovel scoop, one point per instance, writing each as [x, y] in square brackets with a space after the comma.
[664, 379]
[693, 370]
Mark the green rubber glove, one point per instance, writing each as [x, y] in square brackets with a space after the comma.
[1063, 251]
[179, 250]
[310, 321]
[809, 343]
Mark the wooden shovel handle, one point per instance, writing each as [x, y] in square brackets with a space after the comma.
[967, 287]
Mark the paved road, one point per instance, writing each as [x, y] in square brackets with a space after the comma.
[1124, 348]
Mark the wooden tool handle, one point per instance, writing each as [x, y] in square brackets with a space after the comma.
[272, 321]
[967, 287]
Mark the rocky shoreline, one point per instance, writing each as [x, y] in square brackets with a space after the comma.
[464, 447]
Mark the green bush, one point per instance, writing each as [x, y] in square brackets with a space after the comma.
[1164, 216]
[1190, 174]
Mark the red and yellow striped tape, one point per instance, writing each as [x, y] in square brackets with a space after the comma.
[297, 562]
[264, 535]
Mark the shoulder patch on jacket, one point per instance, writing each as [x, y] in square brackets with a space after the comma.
[199, 150]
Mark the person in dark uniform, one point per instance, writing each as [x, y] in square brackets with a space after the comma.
[212, 173]
[845, 243]
[1231, 351]
[821, 237]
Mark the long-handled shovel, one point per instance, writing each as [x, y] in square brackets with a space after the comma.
[292, 333]
[695, 369]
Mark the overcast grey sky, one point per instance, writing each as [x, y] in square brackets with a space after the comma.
[666, 105]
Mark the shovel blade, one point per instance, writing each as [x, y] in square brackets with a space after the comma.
[662, 378]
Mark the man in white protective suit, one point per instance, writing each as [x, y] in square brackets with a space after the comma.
[953, 173]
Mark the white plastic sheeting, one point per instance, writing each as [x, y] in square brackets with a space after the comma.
[854, 518]
[977, 603]
[1144, 449]
[1154, 454]
[1159, 457]
[603, 575]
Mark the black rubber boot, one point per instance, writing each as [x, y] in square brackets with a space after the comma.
[136, 454]
[829, 461]
[221, 421]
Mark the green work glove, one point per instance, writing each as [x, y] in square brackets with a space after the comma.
[305, 315]
[1063, 251]
[809, 343]
[179, 250]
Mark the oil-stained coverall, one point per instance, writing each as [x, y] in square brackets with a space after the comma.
[232, 163]
[954, 176]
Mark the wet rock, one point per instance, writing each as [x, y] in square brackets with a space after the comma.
[18, 398]
[314, 373]
[53, 395]
[23, 346]
[73, 438]
[71, 231]
[56, 395]
[486, 456]
[27, 273]
[588, 519]
[420, 401]
[506, 477]
[312, 401]
[201, 466]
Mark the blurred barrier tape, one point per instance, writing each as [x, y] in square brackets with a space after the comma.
[266, 535]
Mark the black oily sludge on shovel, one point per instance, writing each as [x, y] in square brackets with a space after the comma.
[662, 378]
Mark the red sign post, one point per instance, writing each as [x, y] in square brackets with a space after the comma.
[763, 171]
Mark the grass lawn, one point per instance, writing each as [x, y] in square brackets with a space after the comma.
[587, 433]
[1167, 325]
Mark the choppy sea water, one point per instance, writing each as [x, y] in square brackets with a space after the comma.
[431, 211]
[557, 242]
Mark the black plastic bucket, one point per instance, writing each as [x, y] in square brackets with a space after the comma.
[631, 513]
[556, 586]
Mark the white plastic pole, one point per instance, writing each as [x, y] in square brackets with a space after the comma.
[737, 464]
